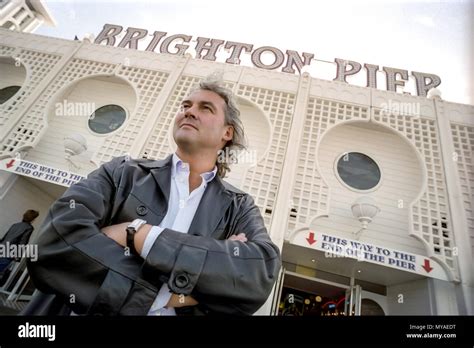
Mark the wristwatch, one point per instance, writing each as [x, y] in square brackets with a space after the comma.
[131, 230]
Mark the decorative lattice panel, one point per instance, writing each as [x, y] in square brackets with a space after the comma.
[148, 84]
[6, 50]
[39, 65]
[430, 214]
[310, 192]
[463, 140]
[33, 123]
[262, 181]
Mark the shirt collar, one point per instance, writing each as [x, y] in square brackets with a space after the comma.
[182, 167]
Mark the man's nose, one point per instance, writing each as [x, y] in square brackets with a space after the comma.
[190, 112]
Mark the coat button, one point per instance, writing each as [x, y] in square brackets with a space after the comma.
[142, 210]
[181, 280]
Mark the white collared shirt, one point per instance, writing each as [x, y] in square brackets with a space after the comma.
[181, 209]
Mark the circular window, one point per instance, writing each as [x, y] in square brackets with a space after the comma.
[8, 92]
[358, 171]
[107, 119]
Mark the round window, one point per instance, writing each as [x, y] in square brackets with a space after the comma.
[107, 119]
[8, 92]
[358, 171]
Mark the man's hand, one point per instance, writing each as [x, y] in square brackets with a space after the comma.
[119, 234]
[239, 237]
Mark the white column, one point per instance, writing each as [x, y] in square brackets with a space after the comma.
[282, 206]
[6, 182]
[32, 25]
[459, 226]
[23, 15]
[6, 13]
[443, 295]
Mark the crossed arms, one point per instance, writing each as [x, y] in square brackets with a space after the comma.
[79, 262]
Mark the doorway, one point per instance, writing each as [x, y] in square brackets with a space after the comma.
[301, 295]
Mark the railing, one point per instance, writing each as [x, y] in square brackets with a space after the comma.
[16, 283]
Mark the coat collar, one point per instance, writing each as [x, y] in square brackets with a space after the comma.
[156, 163]
[166, 163]
[214, 203]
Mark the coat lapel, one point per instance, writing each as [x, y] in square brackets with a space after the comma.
[161, 172]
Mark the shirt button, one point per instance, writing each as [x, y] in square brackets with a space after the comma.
[182, 203]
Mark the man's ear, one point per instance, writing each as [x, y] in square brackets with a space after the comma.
[229, 133]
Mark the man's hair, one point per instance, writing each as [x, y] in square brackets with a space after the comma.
[232, 118]
[30, 215]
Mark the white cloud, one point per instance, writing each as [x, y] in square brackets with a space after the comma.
[426, 21]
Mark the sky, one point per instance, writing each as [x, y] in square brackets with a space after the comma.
[426, 36]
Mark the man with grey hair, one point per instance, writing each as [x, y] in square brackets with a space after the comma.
[160, 237]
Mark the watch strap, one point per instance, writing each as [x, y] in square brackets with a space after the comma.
[131, 240]
[131, 230]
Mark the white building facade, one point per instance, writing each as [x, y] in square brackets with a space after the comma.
[24, 15]
[368, 193]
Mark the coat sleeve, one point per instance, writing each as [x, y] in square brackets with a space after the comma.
[228, 277]
[79, 263]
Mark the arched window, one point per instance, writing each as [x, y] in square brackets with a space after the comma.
[8, 92]
[107, 119]
[358, 171]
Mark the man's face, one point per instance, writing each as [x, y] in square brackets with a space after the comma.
[200, 122]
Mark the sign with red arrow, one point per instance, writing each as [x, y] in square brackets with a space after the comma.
[426, 266]
[10, 164]
[310, 238]
[340, 247]
[40, 171]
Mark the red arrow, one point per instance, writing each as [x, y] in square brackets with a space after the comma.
[427, 266]
[311, 239]
[10, 164]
